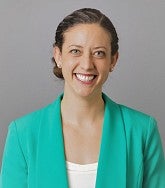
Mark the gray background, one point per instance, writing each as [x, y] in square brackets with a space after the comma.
[26, 35]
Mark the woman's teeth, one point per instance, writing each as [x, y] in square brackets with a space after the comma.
[84, 78]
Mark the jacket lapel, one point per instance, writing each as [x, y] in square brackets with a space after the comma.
[51, 149]
[112, 160]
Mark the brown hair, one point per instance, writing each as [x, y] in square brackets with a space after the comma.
[84, 16]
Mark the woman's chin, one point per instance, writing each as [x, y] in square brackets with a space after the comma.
[86, 93]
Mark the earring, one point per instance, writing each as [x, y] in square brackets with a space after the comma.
[59, 66]
[112, 69]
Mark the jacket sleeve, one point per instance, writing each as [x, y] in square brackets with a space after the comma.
[154, 162]
[14, 166]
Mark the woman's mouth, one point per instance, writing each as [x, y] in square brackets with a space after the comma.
[85, 77]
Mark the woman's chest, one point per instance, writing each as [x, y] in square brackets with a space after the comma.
[82, 145]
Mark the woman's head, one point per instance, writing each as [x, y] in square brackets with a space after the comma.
[84, 16]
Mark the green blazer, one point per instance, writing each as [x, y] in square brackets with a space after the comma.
[131, 154]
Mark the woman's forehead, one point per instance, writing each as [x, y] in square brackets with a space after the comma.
[87, 33]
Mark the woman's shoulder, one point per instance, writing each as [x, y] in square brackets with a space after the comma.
[138, 124]
[32, 120]
[136, 116]
[133, 113]
[127, 111]
[133, 118]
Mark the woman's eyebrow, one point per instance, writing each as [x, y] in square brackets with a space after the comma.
[79, 46]
[97, 47]
[74, 45]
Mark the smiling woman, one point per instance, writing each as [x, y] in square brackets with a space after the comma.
[84, 139]
[86, 60]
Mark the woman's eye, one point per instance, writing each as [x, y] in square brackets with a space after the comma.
[99, 54]
[75, 52]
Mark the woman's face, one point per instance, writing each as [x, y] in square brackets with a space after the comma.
[85, 59]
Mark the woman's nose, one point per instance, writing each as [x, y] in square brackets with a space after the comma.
[87, 62]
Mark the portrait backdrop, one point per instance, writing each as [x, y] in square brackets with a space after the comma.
[27, 29]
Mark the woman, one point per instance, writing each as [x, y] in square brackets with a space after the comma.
[84, 139]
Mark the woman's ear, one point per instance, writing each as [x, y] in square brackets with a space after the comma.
[57, 56]
[114, 59]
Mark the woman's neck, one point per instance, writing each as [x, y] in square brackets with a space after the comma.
[82, 110]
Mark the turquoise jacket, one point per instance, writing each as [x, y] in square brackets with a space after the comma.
[131, 154]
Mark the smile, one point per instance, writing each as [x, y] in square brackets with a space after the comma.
[85, 78]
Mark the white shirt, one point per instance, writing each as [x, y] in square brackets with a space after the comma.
[81, 176]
